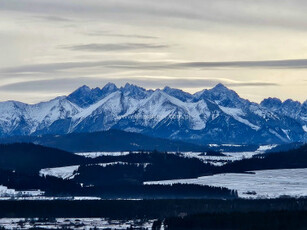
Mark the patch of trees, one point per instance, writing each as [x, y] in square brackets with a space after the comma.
[175, 191]
[147, 209]
[51, 185]
[163, 166]
[30, 158]
[296, 158]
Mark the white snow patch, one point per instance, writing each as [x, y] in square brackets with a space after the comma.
[305, 128]
[161, 105]
[119, 163]
[286, 131]
[229, 156]
[67, 172]
[86, 198]
[277, 135]
[264, 148]
[99, 154]
[231, 145]
[6, 192]
[236, 114]
[77, 223]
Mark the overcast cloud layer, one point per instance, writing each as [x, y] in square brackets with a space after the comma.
[51, 47]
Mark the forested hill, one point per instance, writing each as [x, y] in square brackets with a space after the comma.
[111, 140]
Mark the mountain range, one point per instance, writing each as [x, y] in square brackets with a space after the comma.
[217, 115]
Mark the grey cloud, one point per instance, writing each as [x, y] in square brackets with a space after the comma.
[114, 47]
[111, 34]
[52, 85]
[54, 18]
[294, 63]
[136, 65]
[55, 67]
[124, 64]
[69, 84]
[287, 14]
[191, 83]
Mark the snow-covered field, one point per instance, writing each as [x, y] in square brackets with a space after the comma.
[67, 172]
[6, 193]
[99, 154]
[119, 163]
[257, 184]
[74, 223]
[229, 156]
[215, 160]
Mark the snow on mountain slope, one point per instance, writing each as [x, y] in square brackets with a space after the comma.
[89, 110]
[237, 115]
[160, 106]
[21, 119]
[218, 114]
[106, 112]
[46, 113]
[10, 115]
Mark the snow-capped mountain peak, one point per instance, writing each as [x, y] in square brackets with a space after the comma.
[271, 103]
[109, 88]
[215, 115]
[222, 96]
[134, 91]
[177, 93]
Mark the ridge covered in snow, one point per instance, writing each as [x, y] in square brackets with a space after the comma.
[217, 115]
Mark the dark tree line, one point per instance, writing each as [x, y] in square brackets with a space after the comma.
[272, 220]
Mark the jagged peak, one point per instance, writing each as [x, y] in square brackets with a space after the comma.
[290, 101]
[177, 93]
[110, 86]
[129, 86]
[219, 89]
[81, 91]
[220, 86]
[273, 100]
[83, 88]
[166, 88]
[13, 103]
[133, 91]
[221, 95]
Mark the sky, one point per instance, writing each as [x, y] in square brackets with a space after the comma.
[51, 47]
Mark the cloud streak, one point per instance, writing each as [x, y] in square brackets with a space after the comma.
[125, 64]
[65, 84]
[53, 18]
[282, 64]
[111, 34]
[286, 14]
[94, 47]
